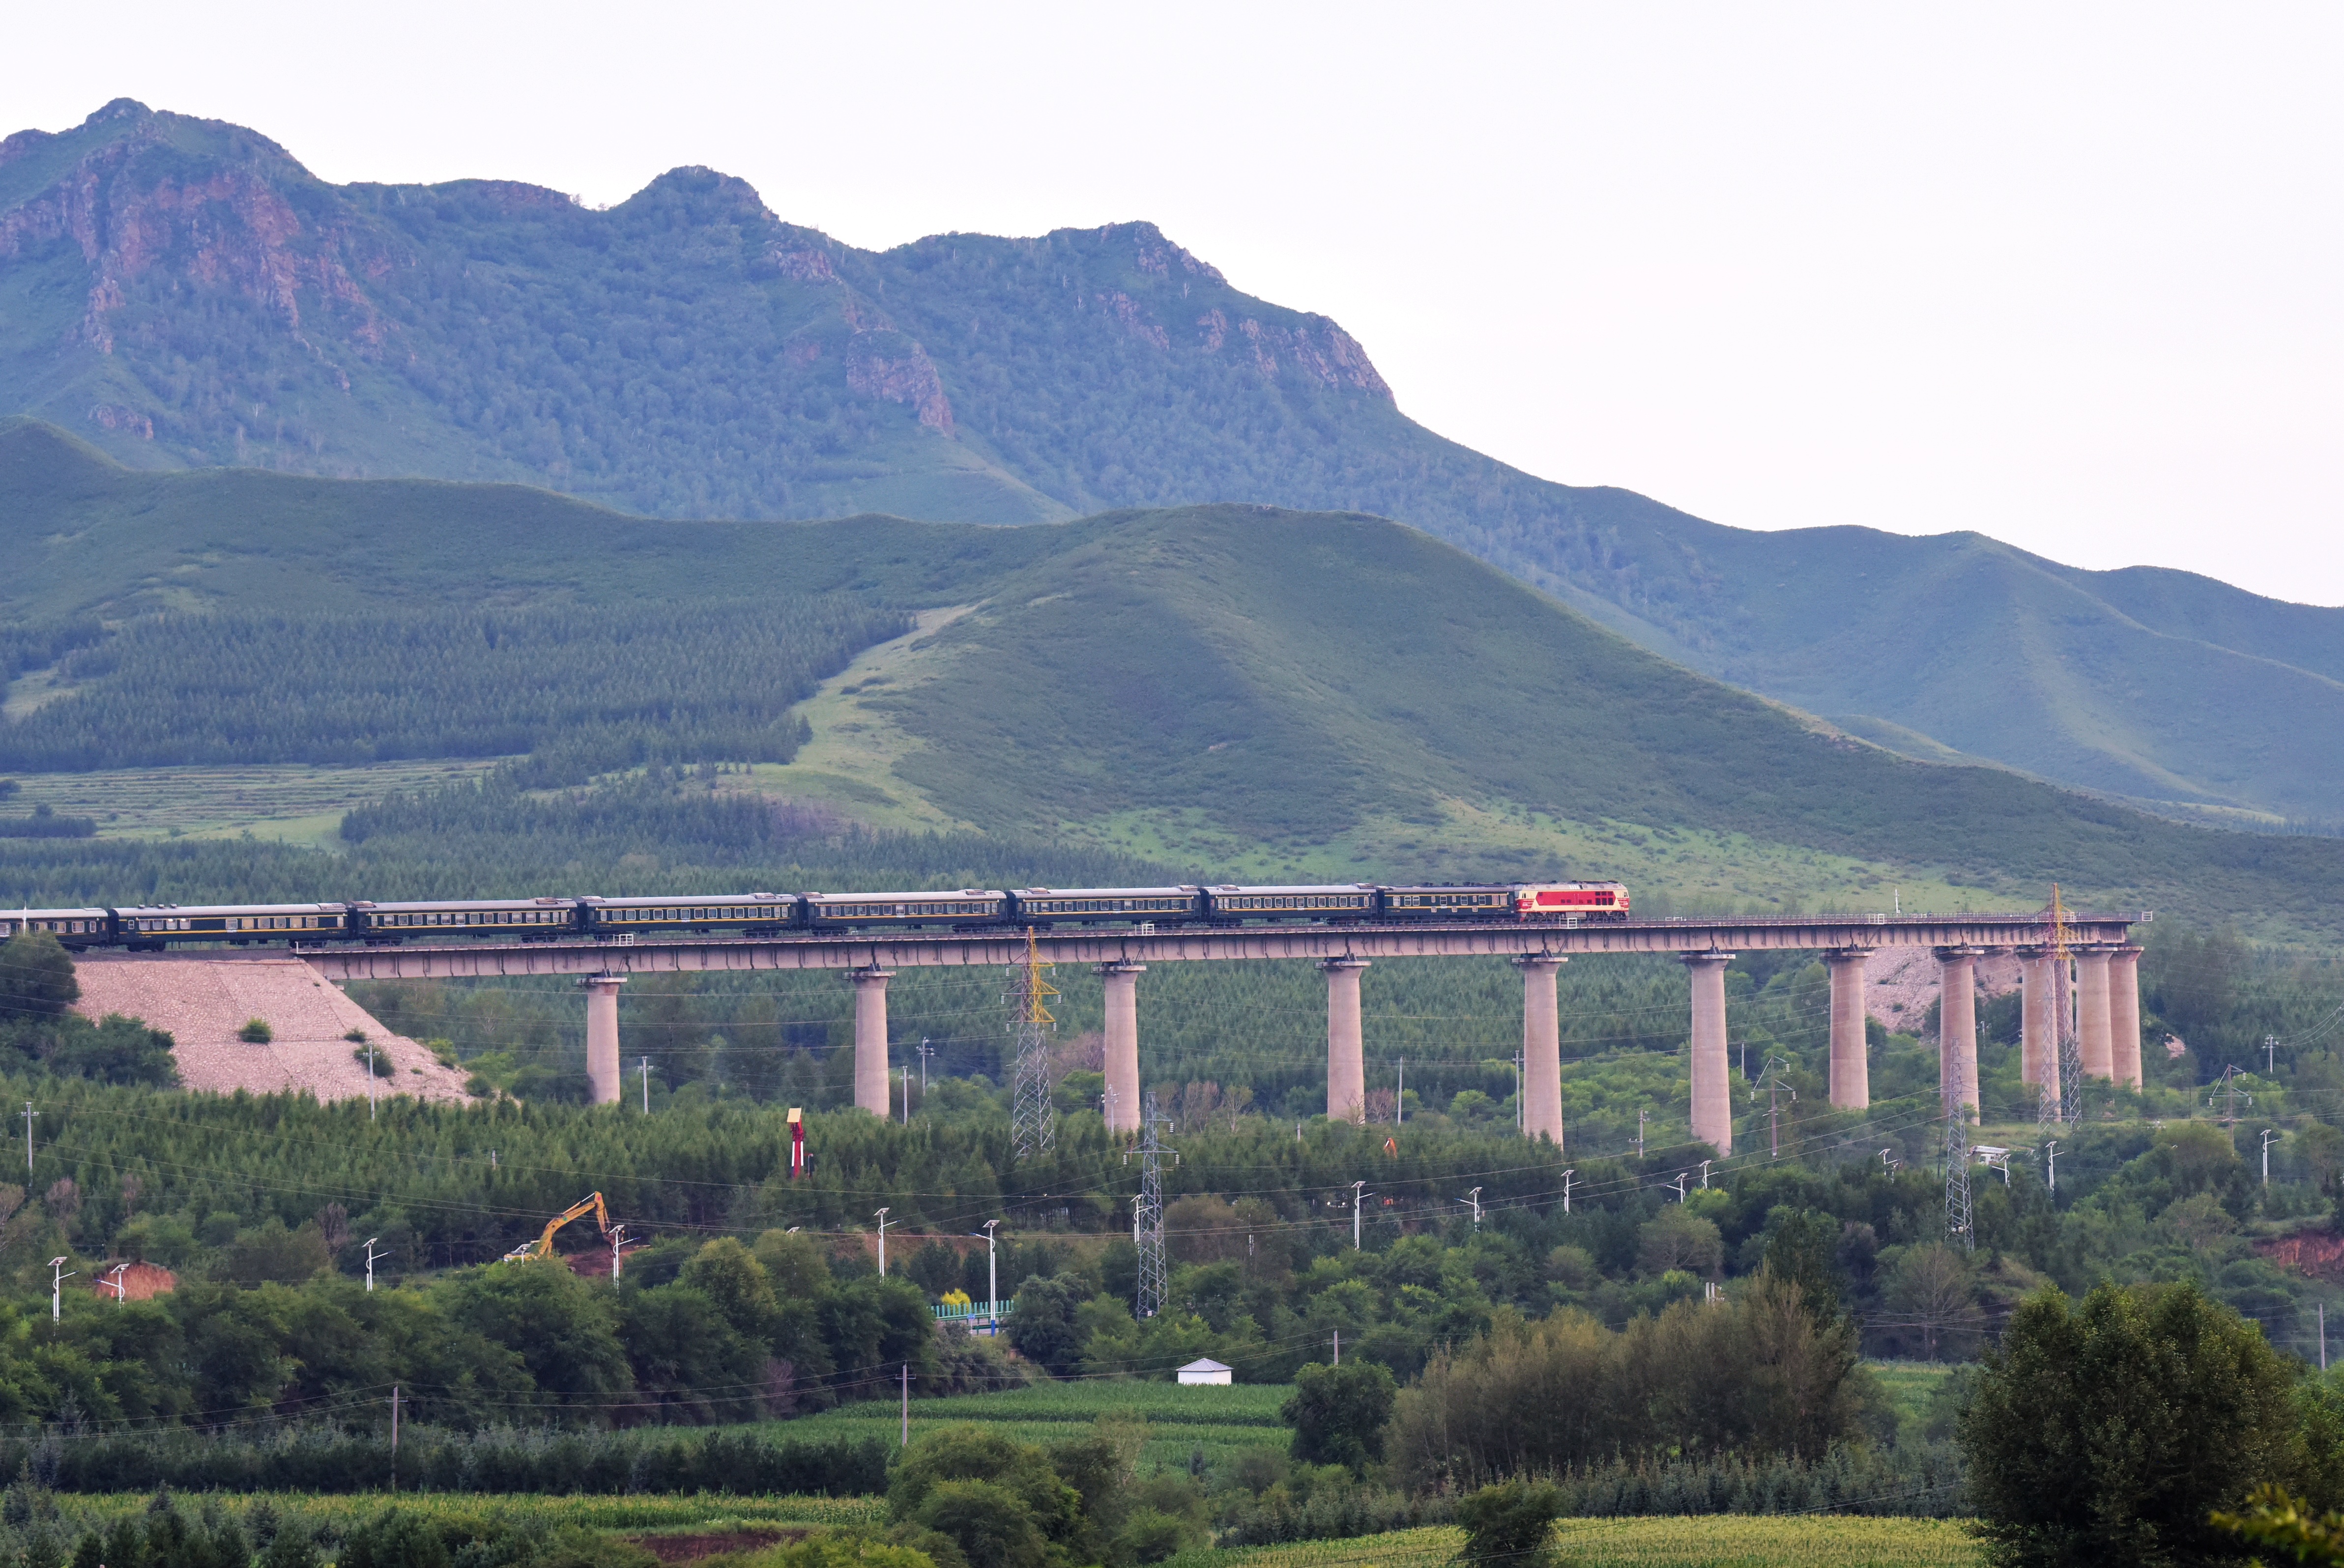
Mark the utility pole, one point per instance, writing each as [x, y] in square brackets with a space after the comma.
[1400, 1097]
[2227, 1090]
[1474, 1198]
[1769, 1079]
[394, 1437]
[370, 1081]
[2267, 1136]
[927, 1051]
[1704, 1175]
[57, 1288]
[1154, 1283]
[1359, 1198]
[1680, 1186]
[992, 1283]
[1566, 1188]
[906, 1440]
[2322, 1306]
[370, 1256]
[28, 1138]
[2271, 1054]
[2051, 1167]
[1640, 1134]
[1339, 1347]
[617, 1241]
[647, 1085]
[882, 1243]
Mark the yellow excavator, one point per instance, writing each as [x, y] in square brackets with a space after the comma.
[543, 1246]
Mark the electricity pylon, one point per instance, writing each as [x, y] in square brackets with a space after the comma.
[1958, 1229]
[2062, 1003]
[1147, 1211]
[1034, 1123]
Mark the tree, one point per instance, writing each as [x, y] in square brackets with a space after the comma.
[565, 1330]
[1510, 1525]
[1803, 1249]
[1338, 1413]
[1676, 1238]
[1043, 1326]
[2108, 1432]
[1932, 1289]
[37, 977]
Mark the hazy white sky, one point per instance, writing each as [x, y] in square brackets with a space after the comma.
[2067, 275]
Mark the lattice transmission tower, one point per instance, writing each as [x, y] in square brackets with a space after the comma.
[2060, 1097]
[1958, 1229]
[1032, 1124]
[1147, 1210]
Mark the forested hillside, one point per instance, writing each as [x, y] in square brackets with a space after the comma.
[185, 294]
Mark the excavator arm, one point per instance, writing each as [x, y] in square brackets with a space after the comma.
[543, 1246]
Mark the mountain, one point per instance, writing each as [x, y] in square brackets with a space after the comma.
[183, 293]
[1231, 689]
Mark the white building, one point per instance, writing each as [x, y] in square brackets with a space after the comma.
[1204, 1371]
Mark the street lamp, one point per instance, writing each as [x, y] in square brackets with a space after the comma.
[57, 1288]
[370, 1256]
[1358, 1196]
[114, 1278]
[992, 1282]
[882, 1243]
[1474, 1198]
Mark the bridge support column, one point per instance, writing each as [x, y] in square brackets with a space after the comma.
[1712, 1094]
[1851, 1062]
[871, 1088]
[1541, 1049]
[603, 1036]
[2123, 1015]
[1347, 1072]
[2038, 1036]
[1122, 1045]
[2093, 1040]
[1958, 1025]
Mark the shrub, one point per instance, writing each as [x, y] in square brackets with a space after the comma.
[1338, 1413]
[256, 1032]
[1510, 1523]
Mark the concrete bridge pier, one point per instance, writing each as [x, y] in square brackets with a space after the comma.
[871, 1088]
[1958, 1023]
[1713, 1092]
[1122, 1045]
[1851, 1063]
[2123, 1014]
[1541, 1049]
[2094, 1041]
[1347, 1072]
[603, 1036]
[2038, 1036]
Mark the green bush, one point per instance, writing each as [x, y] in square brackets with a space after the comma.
[1510, 1523]
[1338, 1413]
[256, 1032]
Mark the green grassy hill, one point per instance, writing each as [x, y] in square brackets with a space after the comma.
[688, 354]
[1233, 689]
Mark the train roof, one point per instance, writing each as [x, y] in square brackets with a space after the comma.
[419, 904]
[54, 914]
[913, 894]
[702, 900]
[232, 909]
[1295, 888]
[1105, 892]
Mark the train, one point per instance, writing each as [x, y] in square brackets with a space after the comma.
[156, 927]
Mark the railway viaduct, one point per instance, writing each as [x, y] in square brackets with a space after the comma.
[2105, 979]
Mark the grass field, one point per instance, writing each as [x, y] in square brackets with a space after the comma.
[294, 803]
[1910, 1384]
[1718, 1540]
[1180, 1420]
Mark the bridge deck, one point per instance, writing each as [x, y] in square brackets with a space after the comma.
[930, 950]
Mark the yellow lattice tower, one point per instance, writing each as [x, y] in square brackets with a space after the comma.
[2063, 935]
[1039, 990]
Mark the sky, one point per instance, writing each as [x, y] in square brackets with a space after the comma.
[2067, 276]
